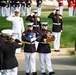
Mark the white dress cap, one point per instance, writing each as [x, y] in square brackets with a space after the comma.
[17, 10]
[29, 24]
[44, 23]
[34, 11]
[57, 9]
[7, 32]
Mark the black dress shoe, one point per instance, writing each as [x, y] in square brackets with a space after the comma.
[27, 73]
[51, 73]
[34, 73]
[44, 73]
[57, 50]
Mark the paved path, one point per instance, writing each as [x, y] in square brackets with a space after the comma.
[62, 65]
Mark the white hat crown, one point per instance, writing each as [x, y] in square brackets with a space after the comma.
[7, 32]
[17, 10]
[29, 24]
[44, 23]
[34, 11]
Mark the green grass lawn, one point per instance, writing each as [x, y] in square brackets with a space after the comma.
[68, 36]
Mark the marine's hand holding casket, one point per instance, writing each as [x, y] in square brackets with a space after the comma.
[45, 40]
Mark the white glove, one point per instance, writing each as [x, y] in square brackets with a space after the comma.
[38, 19]
[33, 39]
[61, 30]
[45, 40]
[32, 14]
[54, 11]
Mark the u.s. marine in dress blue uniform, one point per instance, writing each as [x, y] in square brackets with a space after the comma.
[3, 7]
[17, 4]
[35, 19]
[12, 6]
[28, 7]
[39, 3]
[57, 27]
[23, 3]
[44, 51]
[10, 63]
[29, 37]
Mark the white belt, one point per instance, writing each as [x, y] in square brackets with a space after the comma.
[35, 25]
[23, 2]
[43, 42]
[57, 23]
[17, 2]
[30, 42]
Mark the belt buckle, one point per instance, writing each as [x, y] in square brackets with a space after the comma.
[30, 42]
